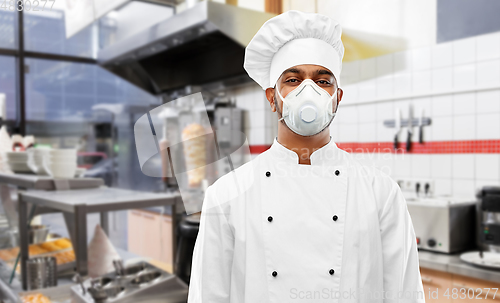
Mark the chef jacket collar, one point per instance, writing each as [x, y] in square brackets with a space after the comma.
[327, 154]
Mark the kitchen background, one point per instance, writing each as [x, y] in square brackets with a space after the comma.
[456, 82]
[85, 74]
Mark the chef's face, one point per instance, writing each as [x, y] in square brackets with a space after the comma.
[292, 77]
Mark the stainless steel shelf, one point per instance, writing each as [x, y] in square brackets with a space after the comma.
[47, 183]
[98, 199]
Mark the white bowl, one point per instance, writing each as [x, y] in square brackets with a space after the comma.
[36, 165]
[61, 159]
[62, 152]
[59, 162]
[18, 161]
[38, 154]
[16, 155]
[61, 172]
[58, 170]
[19, 167]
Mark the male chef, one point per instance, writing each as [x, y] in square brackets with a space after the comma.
[303, 221]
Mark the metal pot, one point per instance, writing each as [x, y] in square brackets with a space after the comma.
[38, 233]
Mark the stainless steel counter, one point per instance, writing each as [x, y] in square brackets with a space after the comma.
[76, 204]
[452, 264]
[30, 181]
[61, 293]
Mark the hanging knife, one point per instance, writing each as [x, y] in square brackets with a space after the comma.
[421, 127]
[397, 125]
[410, 129]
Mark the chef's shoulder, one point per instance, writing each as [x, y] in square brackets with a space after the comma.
[376, 177]
[234, 183]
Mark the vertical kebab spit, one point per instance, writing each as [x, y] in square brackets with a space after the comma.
[194, 143]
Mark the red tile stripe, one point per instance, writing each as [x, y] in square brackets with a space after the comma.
[257, 149]
[434, 147]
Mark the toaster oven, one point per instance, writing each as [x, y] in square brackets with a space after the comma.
[443, 224]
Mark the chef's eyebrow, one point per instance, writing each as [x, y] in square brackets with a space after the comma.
[293, 70]
[320, 71]
[324, 72]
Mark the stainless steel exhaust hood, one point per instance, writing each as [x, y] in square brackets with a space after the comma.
[200, 45]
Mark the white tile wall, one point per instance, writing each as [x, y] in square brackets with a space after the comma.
[488, 126]
[350, 72]
[442, 79]
[464, 127]
[421, 83]
[402, 166]
[385, 65]
[440, 166]
[442, 187]
[402, 83]
[464, 76]
[421, 58]
[464, 104]
[462, 166]
[348, 133]
[367, 132]
[487, 167]
[368, 68]
[420, 166]
[464, 51]
[351, 94]
[441, 129]
[367, 90]
[385, 86]
[488, 101]
[488, 73]
[456, 83]
[488, 46]
[465, 188]
[442, 105]
[442, 55]
[368, 114]
[402, 62]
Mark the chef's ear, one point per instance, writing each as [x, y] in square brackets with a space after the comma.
[340, 94]
[270, 95]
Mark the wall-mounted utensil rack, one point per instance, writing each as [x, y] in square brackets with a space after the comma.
[404, 122]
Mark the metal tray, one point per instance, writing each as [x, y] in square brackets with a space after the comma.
[147, 284]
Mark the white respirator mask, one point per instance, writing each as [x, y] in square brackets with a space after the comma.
[307, 109]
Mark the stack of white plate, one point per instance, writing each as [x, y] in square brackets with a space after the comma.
[35, 160]
[60, 163]
[18, 161]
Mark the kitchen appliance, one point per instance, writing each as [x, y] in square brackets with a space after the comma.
[443, 224]
[488, 219]
[202, 44]
[139, 282]
[229, 126]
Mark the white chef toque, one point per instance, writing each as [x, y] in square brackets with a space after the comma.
[291, 39]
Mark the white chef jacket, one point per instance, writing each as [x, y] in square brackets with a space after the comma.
[277, 231]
